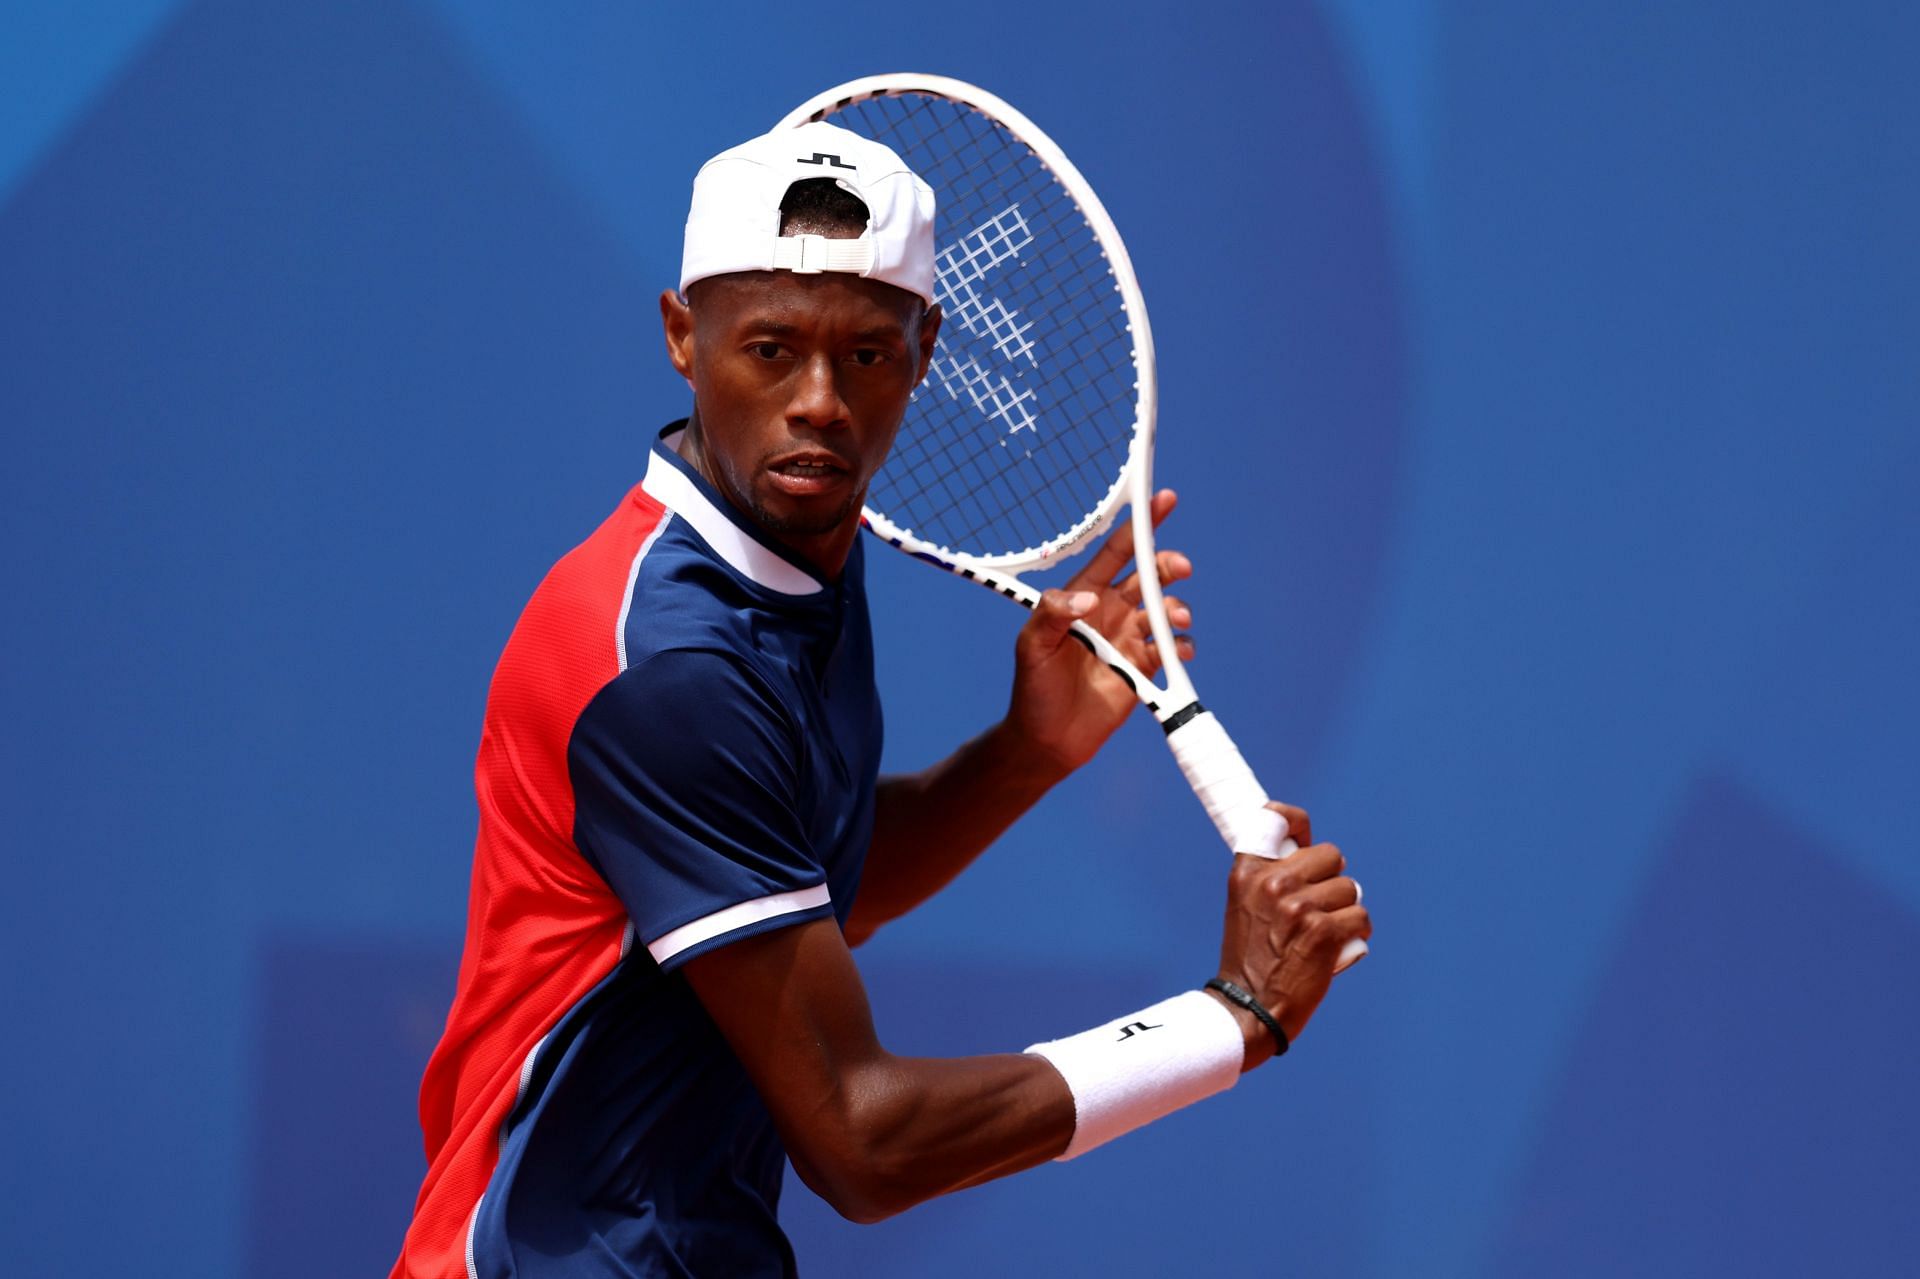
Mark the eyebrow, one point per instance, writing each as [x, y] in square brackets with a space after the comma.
[872, 333]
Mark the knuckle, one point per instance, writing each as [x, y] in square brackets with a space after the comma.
[1298, 823]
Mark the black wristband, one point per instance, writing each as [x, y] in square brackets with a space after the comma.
[1252, 1005]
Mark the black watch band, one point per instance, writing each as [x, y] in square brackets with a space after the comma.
[1252, 1005]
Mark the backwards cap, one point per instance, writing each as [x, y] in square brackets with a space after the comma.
[734, 224]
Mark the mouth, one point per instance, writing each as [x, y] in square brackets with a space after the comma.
[806, 472]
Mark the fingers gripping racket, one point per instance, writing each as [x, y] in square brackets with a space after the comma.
[1035, 424]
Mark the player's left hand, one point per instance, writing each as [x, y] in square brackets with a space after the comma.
[1066, 702]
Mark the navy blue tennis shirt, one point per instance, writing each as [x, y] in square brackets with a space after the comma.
[681, 748]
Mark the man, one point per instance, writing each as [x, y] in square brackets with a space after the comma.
[683, 829]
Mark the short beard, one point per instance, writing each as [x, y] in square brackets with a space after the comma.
[813, 525]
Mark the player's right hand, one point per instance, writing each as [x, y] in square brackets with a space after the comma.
[1287, 922]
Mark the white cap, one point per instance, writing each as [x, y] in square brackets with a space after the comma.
[734, 224]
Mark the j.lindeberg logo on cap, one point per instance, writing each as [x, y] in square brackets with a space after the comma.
[727, 219]
[1127, 1031]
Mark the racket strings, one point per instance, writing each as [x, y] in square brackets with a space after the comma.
[1022, 428]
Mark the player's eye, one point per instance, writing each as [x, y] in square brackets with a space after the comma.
[867, 356]
[767, 350]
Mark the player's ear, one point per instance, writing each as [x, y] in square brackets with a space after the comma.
[676, 317]
[929, 333]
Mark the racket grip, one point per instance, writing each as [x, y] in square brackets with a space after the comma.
[1227, 788]
[1235, 800]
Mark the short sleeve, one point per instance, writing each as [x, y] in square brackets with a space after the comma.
[686, 771]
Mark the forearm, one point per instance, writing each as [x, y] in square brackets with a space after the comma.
[907, 1129]
[874, 1133]
[930, 825]
[910, 1129]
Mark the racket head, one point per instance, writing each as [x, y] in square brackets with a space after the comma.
[1035, 423]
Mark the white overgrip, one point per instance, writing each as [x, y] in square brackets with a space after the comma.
[1228, 790]
[1235, 800]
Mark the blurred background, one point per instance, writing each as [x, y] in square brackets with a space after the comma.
[1540, 384]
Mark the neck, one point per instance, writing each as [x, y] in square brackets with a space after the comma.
[826, 553]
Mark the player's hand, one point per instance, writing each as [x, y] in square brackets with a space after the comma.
[1287, 922]
[1066, 702]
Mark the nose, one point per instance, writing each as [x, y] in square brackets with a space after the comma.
[816, 401]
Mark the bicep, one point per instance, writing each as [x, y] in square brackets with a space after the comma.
[791, 1005]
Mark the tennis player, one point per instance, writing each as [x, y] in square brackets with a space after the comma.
[683, 830]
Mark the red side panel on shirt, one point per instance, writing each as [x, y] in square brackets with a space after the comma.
[543, 928]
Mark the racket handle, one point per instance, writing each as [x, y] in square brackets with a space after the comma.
[1235, 800]
[1227, 788]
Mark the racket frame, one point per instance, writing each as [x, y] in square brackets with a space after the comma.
[1133, 487]
[1212, 764]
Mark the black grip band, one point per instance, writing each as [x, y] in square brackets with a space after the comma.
[1190, 711]
[1252, 1005]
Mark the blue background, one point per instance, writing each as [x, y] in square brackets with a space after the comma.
[1540, 382]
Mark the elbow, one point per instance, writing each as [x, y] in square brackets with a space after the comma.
[864, 1162]
[866, 1212]
[856, 1187]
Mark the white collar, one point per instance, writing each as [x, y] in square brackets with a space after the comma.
[670, 482]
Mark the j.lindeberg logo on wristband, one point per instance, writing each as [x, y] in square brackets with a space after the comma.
[1126, 1031]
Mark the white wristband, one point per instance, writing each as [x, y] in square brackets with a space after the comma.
[1137, 1068]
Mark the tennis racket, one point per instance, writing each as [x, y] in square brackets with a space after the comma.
[1035, 423]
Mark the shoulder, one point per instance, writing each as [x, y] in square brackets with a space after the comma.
[587, 590]
[698, 678]
[681, 707]
[565, 646]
